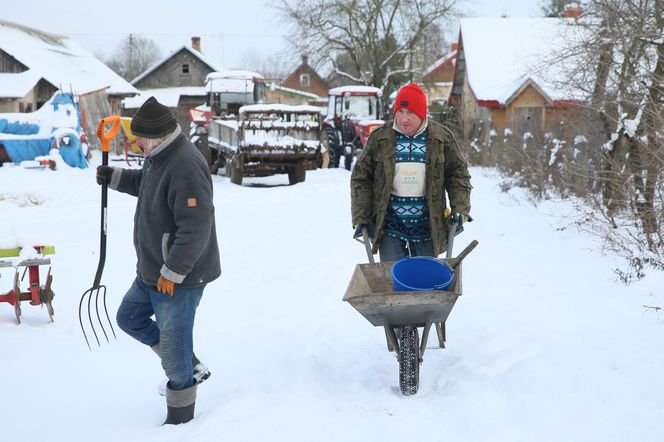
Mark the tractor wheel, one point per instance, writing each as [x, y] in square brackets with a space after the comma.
[409, 360]
[297, 174]
[333, 147]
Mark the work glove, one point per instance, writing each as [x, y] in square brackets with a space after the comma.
[459, 218]
[104, 174]
[371, 230]
[165, 286]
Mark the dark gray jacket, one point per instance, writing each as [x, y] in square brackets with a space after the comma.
[174, 225]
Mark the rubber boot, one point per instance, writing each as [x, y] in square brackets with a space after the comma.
[180, 405]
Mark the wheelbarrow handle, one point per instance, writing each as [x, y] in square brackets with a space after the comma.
[451, 233]
[367, 244]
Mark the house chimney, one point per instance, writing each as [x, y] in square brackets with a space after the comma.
[573, 10]
[455, 46]
[305, 59]
[196, 43]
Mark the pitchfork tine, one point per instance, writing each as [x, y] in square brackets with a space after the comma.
[90, 317]
[109, 319]
[97, 310]
[80, 321]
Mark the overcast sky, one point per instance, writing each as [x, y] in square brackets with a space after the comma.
[228, 28]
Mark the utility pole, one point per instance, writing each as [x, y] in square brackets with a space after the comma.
[131, 48]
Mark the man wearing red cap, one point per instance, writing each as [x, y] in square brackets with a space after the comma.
[401, 178]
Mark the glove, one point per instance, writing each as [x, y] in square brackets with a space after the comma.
[371, 230]
[104, 174]
[459, 218]
[165, 286]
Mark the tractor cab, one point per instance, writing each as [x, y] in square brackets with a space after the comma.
[352, 113]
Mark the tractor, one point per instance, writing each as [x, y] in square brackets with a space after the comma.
[352, 113]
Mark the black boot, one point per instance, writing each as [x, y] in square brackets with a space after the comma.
[180, 404]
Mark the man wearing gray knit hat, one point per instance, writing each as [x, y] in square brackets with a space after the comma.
[176, 245]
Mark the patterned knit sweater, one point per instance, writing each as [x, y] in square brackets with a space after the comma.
[407, 217]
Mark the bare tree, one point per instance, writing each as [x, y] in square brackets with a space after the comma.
[377, 38]
[554, 8]
[628, 95]
[609, 151]
[275, 67]
[133, 55]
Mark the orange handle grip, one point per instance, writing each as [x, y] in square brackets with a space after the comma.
[107, 136]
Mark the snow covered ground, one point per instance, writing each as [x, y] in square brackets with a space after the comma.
[544, 345]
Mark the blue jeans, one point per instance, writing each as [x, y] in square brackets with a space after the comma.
[172, 328]
[394, 249]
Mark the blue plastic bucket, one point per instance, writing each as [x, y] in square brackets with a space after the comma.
[421, 273]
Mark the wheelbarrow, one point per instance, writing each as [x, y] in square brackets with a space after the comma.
[402, 313]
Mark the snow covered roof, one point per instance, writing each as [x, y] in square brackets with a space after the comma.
[56, 59]
[279, 108]
[168, 96]
[359, 90]
[17, 85]
[503, 54]
[276, 87]
[204, 59]
[232, 81]
[233, 74]
[449, 58]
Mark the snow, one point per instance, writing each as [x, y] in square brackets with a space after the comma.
[17, 85]
[543, 345]
[231, 81]
[368, 90]
[275, 87]
[300, 108]
[169, 96]
[438, 63]
[503, 54]
[58, 60]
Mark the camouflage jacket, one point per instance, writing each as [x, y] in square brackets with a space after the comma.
[446, 171]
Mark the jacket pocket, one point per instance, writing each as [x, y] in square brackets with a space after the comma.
[165, 246]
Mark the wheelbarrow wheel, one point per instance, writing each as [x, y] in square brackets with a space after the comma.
[409, 360]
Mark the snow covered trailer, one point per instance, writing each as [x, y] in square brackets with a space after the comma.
[268, 139]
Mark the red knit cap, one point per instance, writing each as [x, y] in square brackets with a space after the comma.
[412, 98]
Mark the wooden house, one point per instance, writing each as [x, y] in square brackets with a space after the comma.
[510, 78]
[34, 64]
[280, 94]
[437, 79]
[177, 81]
[306, 79]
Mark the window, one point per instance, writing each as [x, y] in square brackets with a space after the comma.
[304, 80]
[185, 68]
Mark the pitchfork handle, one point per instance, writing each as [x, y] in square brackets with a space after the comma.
[102, 240]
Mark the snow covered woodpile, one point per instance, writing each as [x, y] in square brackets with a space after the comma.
[280, 125]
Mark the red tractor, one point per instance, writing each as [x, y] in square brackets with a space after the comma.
[352, 113]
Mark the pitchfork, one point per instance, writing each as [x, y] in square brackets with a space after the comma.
[96, 288]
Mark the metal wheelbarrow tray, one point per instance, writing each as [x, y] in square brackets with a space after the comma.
[371, 293]
[400, 313]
